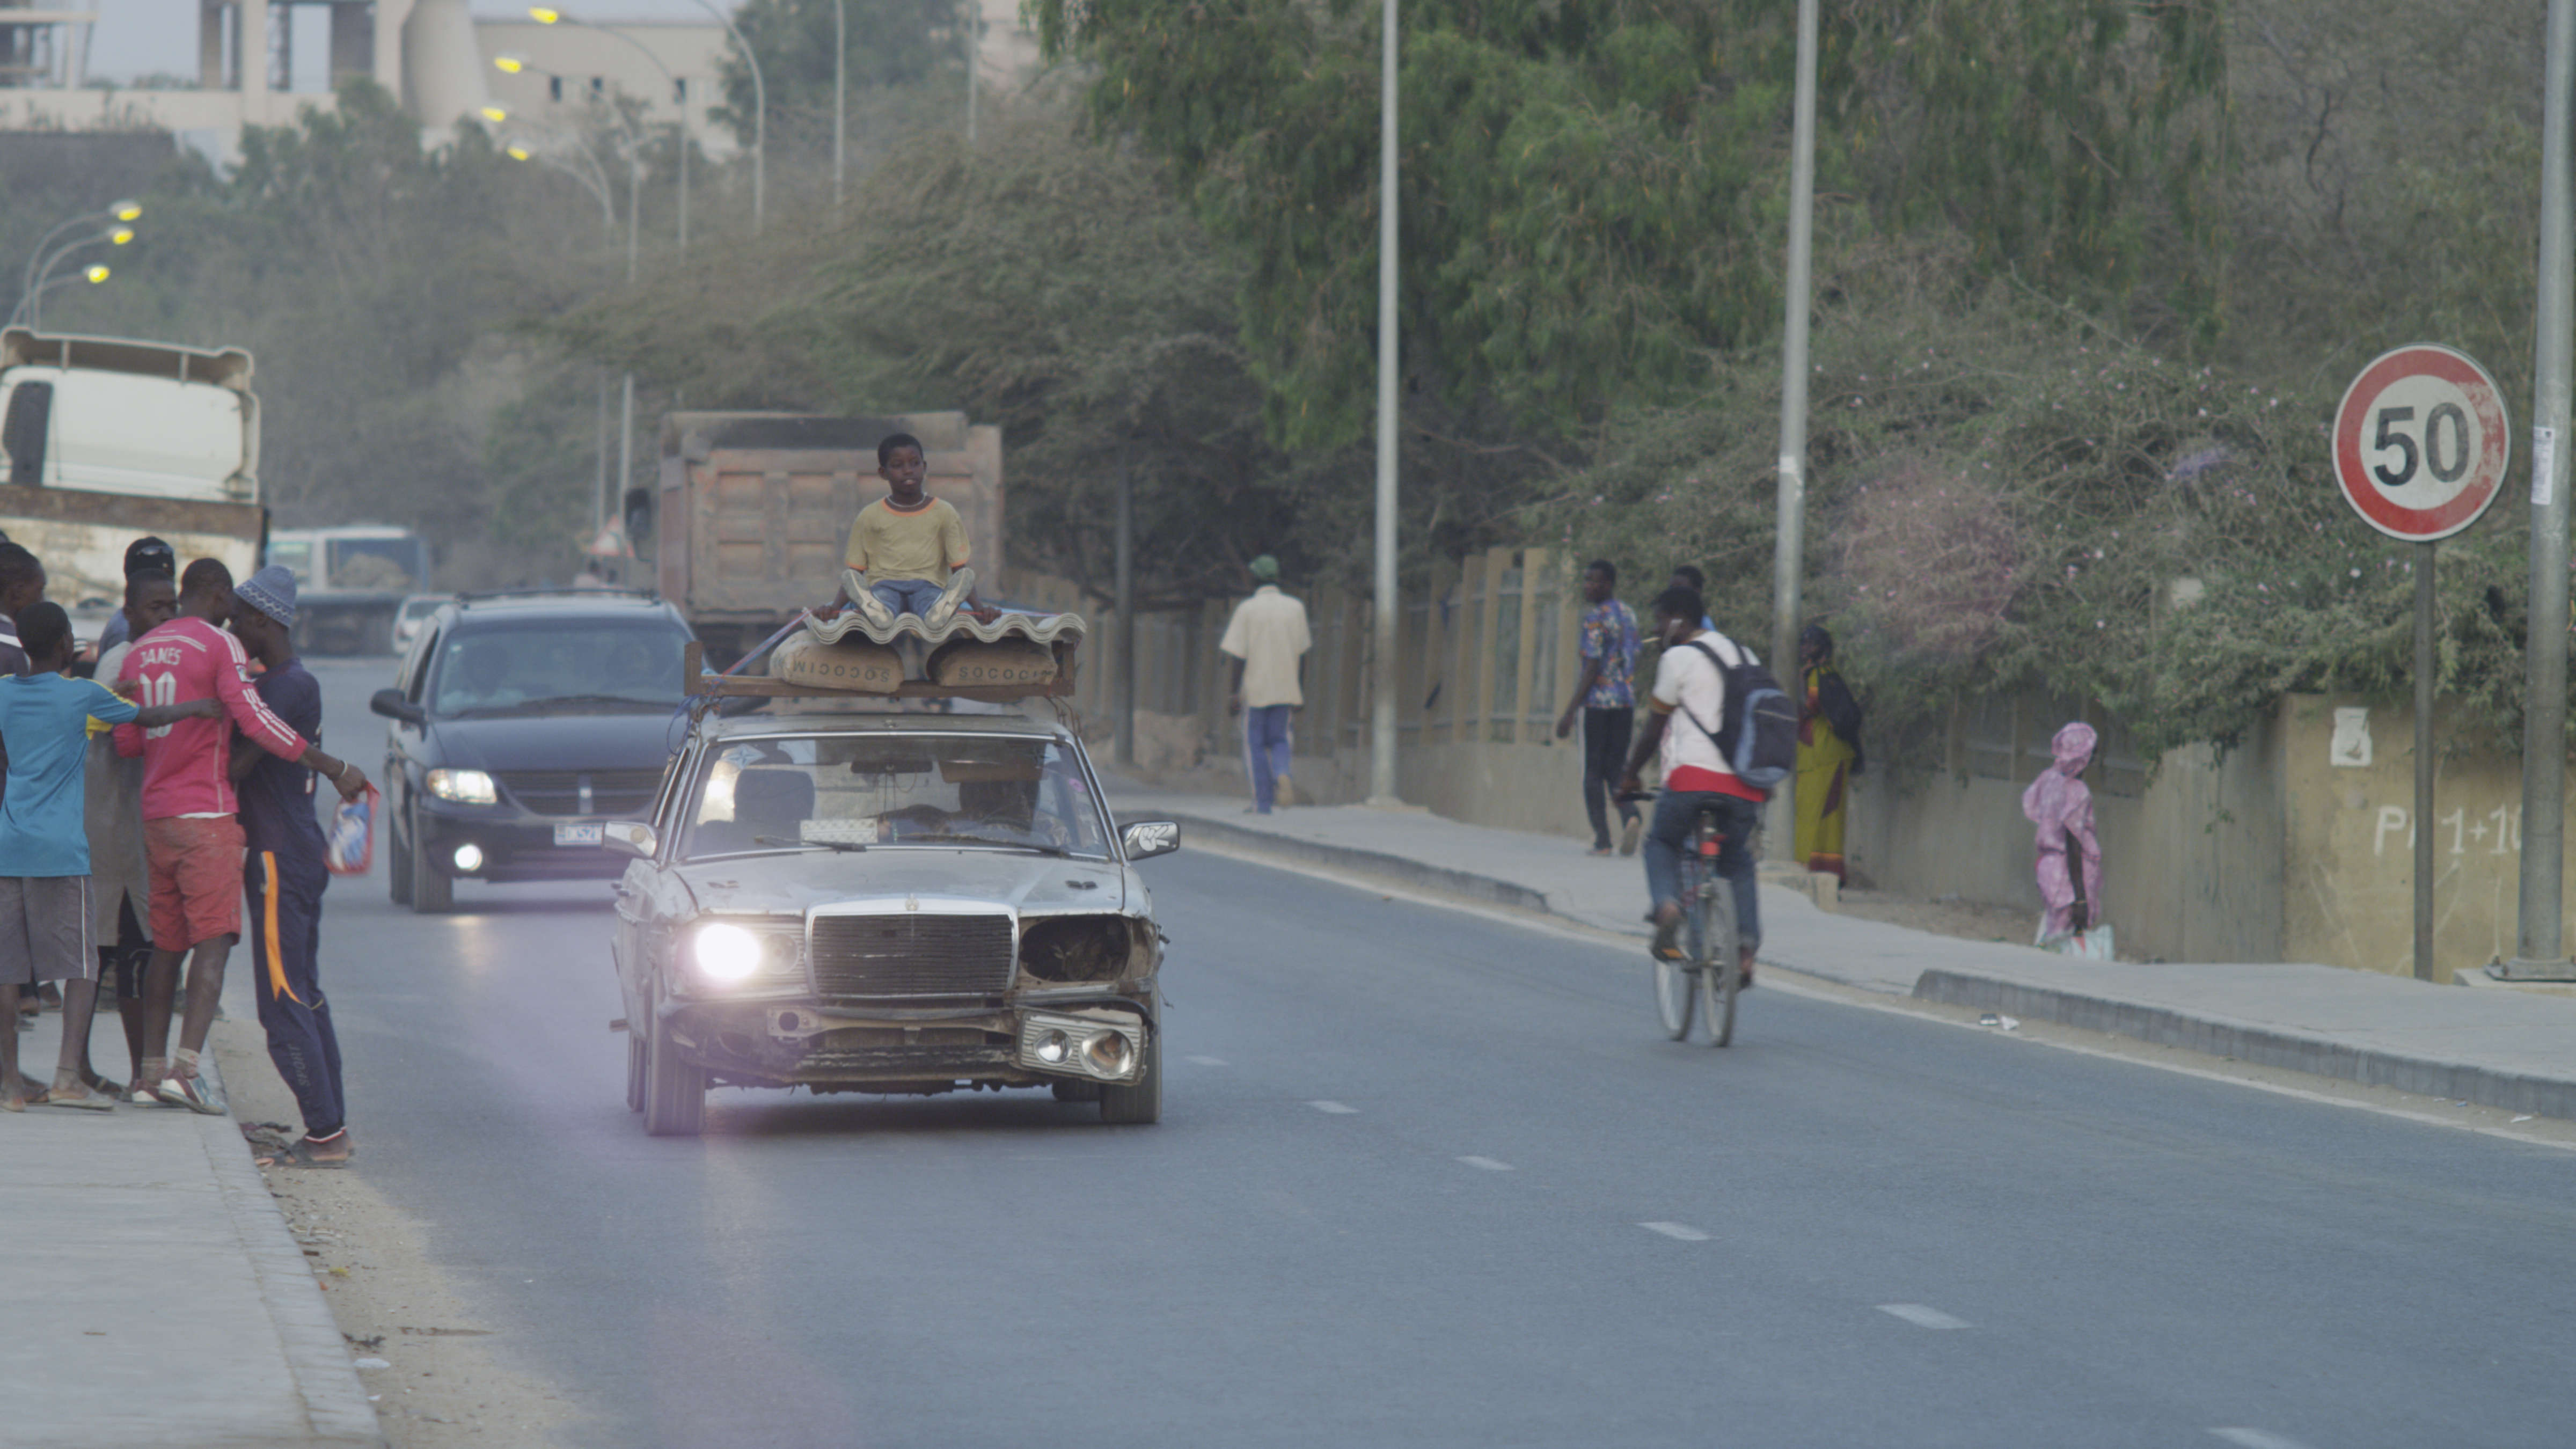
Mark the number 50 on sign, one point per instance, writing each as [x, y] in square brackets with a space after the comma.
[2420, 445]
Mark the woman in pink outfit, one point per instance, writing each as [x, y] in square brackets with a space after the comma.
[2061, 806]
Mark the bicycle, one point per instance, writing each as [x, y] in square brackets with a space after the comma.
[1710, 974]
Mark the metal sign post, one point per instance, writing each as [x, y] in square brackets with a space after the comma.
[2420, 449]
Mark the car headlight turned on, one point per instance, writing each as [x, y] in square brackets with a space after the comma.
[465, 787]
[749, 954]
[726, 954]
[1106, 1047]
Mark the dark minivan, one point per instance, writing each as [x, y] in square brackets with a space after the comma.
[521, 722]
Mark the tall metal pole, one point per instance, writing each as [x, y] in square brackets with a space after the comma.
[598, 514]
[2540, 951]
[840, 95]
[1126, 614]
[759, 120]
[608, 502]
[1382, 614]
[974, 60]
[2424, 606]
[1789, 556]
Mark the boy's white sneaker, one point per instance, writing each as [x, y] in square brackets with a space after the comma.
[960, 584]
[862, 598]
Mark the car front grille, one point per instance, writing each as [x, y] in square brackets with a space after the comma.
[615, 793]
[911, 954]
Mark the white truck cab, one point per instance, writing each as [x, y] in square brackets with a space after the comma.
[104, 440]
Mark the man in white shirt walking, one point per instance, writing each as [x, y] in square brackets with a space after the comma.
[1267, 639]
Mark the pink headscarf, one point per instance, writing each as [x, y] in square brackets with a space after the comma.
[2048, 800]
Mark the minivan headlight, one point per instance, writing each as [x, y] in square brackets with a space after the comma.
[465, 787]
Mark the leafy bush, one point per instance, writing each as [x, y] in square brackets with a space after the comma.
[2005, 495]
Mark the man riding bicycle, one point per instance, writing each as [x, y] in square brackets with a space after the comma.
[1691, 681]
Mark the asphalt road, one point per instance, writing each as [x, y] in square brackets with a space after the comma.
[1426, 1179]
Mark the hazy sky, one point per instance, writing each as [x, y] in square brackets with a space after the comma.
[148, 37]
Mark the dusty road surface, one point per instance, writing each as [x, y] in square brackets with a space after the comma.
[1430, 1179]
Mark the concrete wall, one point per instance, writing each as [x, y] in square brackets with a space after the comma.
[2292, 846]
[2349, 864]
[2191, 862]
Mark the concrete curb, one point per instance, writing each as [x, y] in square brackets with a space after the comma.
[317, 1358]
[2265, 1046]
[1370, 862]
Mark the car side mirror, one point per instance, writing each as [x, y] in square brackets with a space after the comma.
[628, 837]
[391, 704]
[1146, 839]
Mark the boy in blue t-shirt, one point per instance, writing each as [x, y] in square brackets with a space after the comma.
[45, 914]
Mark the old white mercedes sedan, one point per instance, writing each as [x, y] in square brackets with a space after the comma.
[890, 902]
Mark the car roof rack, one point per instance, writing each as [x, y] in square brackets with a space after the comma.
[711, 687]
[561, 591]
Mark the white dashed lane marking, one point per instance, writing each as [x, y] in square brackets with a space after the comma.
[1205, 1061]
[1337, 1109]
[1921, 1316]
[2257, 1439]
[1487, 1163]
[1678, 1232]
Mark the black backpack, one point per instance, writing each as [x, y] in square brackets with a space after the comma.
[1759, 734]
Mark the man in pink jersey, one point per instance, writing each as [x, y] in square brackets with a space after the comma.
[190, 836]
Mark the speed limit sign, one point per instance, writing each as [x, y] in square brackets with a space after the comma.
[2419, 444]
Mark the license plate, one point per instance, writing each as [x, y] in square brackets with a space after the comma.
[577, 835]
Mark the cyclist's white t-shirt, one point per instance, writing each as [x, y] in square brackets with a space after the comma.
[1685, 681]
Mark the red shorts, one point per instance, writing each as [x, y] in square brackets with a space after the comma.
[196, 879]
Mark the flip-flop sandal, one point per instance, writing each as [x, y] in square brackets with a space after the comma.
[106, 1086]
[86, 1101]
[298, 1154]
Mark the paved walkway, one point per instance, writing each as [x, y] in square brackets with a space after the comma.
[2502, 1048]
[153, 1294]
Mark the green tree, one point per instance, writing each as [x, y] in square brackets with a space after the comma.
[1592, 188]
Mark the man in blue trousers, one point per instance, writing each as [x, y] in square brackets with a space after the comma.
[284, 870]
[1266, 641]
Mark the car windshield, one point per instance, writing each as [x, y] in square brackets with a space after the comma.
[899, 791]
[558, 665]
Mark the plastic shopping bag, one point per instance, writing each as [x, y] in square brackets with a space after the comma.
[352, 847]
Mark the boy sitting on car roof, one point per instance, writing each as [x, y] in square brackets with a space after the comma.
[907, 551]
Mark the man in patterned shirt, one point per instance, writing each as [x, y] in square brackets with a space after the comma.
[1605, 698]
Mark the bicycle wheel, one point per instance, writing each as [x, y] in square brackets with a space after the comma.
[1725, 974]
[1676, 984]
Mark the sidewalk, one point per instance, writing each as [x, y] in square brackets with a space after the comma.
[154, 1295]
[2505, 1049]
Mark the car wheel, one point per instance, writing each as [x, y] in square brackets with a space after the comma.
[1076, 1091]
[675, 1093]
[1140, 1102]
[634, 1069]
[397, 868]
[432, 892]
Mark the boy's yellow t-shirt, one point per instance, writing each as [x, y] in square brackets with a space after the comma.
[890, 544]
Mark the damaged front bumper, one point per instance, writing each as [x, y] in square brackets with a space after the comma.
[839, 1046]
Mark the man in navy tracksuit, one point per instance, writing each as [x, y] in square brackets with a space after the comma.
[283, 873]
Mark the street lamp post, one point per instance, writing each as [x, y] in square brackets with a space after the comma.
[1382, 787]
[840, 96]
[972, 17]
[32, 303]
[115, 211]
[93, 274]
[2540, 945]
[680, 127]
[595, 181]
[760, 113]
[1788, 562]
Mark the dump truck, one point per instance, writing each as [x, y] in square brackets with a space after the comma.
[106, 439]
[350, 582]
[754, 509]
